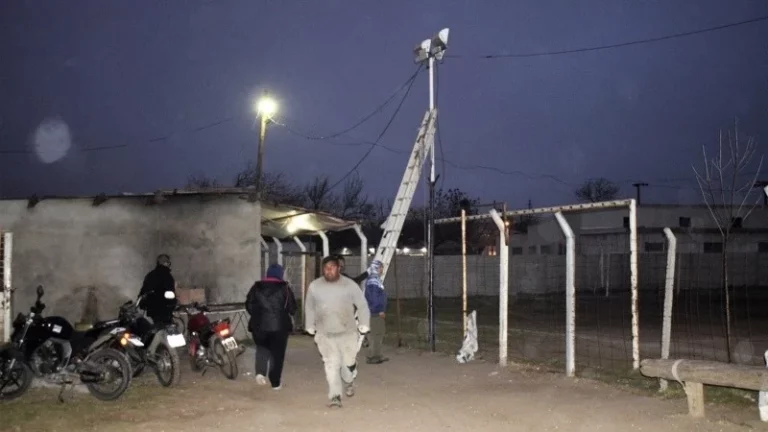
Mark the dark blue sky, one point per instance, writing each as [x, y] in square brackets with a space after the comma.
[125, 73]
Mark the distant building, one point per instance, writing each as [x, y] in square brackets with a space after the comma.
[607, 231]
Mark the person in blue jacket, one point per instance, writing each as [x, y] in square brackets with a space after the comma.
[377, 303]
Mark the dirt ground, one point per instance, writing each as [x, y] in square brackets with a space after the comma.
[413, 391]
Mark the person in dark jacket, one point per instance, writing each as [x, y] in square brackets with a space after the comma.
[156, 283]
[271, 304]
[358, 279]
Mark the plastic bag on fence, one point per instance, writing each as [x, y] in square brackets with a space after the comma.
[469, 346]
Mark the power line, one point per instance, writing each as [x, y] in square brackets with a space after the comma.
[437, 127]
[381, 135]
[616, 45]
[377, 110]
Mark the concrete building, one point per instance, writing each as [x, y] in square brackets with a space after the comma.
[607, 231]
[95, 251]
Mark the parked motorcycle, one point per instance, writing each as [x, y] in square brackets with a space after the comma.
[156, 346]
[51, 349]
[211, 343]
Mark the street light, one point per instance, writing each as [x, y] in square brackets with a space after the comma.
[266, 107]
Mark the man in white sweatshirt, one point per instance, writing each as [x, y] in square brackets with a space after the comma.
[331, 301]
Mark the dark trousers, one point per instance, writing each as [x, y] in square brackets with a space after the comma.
[270, 355]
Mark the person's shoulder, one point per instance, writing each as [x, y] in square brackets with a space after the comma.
[348, 282]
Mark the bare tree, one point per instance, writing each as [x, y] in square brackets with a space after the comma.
[275, 186]
[596, 190]
[728, 201]
[319, 196]
[201, 181]
[353, 203]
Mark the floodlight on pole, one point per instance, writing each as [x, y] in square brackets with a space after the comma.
[429, 50]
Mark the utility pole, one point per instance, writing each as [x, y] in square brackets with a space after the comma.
[429, 50]
[760, 184]
[637, 187]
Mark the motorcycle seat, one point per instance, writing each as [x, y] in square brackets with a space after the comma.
[105, 324]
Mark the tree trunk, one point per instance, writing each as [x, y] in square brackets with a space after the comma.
[726, 291]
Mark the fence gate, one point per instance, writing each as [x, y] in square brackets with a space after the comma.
[6, 246]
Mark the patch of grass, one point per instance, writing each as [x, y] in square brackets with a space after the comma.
[39, 409]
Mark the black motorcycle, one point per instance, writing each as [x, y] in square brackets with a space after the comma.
[51, 349]
[156, 345]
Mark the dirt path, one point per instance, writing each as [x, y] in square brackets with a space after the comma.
[410, 392]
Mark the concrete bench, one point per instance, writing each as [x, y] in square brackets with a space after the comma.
[693, 374]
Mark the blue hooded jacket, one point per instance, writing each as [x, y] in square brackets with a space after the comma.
[374, 289]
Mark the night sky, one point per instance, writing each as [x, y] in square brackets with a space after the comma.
[161, 90]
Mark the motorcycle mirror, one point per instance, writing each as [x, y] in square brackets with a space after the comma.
[40, 291]
[170, 295]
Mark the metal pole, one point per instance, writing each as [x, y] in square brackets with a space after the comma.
[260, 156]
[431, 223]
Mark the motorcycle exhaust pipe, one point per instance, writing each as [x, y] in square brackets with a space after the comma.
[90, 377]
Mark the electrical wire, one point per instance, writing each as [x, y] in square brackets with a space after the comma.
[377, 110]
[616, 45]
[381, 135]
[439, 142]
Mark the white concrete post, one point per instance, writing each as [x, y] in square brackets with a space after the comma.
[503, 287]
[303, 278]
[279, 248]
[634, 284]
[669, 286]
[363, 248]
[762, 402]
[8, 251]
[326, 246]
[570, 295]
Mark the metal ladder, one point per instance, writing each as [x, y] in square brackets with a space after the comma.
[425, 140]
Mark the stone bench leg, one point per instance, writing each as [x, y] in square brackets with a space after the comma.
[694, 392]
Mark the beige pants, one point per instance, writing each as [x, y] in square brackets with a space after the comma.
[339, 352]
[376, 337]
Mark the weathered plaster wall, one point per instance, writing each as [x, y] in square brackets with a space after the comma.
[71, 247]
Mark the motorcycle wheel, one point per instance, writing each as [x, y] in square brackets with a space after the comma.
[19, 374]
[119, 366]
[168, 366]
[227, 360]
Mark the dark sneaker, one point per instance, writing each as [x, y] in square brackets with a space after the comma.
[335, 402]
[376, 360]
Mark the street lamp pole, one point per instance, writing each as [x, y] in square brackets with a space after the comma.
[430, 50]
[260, 155]
[266, 108]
